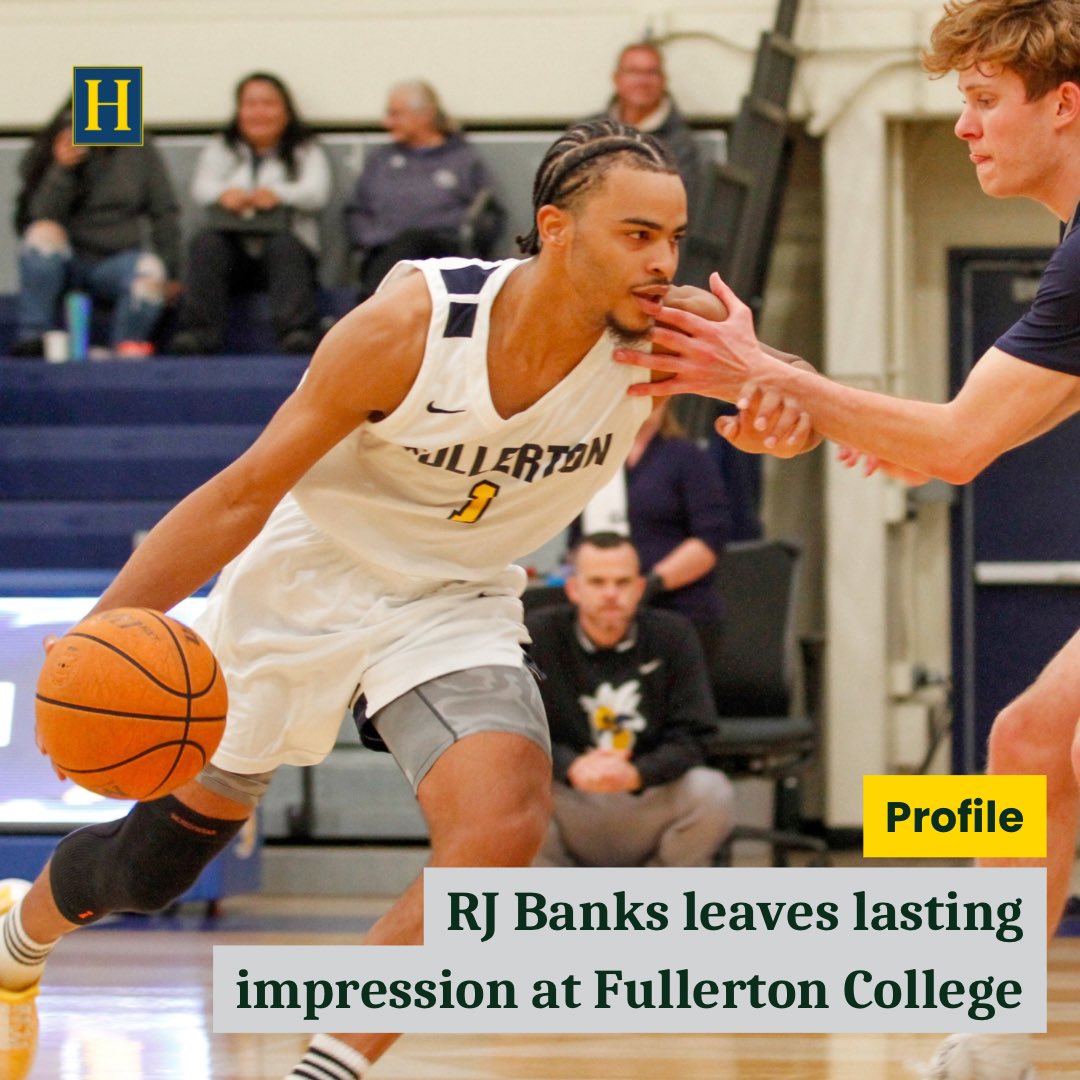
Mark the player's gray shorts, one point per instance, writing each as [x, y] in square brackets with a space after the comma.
[427, 720]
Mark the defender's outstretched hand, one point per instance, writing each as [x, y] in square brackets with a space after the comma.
[703, 356]
[707, 348]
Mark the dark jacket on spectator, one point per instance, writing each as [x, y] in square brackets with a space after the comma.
[669, 126]
[675, 492]
[659, 664]
[101, 202]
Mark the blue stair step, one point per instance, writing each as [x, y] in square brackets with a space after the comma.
[242, 390]
[77, 534]
[93, 454]
[144, 461]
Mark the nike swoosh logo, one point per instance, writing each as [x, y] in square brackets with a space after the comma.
[650, 667]
[433, 408]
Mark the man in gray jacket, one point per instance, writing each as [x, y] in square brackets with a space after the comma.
[641, 99]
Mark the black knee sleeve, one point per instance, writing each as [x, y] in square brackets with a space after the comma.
[141, 863]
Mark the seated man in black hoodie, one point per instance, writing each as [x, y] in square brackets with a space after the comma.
[628, 703]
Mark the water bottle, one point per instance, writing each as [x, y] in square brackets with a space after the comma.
[77, 319]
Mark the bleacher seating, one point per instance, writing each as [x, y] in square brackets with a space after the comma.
[94, 454]
[511, 157]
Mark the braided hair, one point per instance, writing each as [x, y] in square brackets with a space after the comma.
[579, 159]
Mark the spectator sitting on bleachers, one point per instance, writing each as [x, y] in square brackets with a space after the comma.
[641, 99]
[425, 195]
[80, 214]
[671, 501]
[263, 182]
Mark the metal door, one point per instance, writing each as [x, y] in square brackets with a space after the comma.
[1015, 529]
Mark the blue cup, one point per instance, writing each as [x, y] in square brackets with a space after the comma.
[77, 320]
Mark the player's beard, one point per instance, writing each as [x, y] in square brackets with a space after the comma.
[627, 336]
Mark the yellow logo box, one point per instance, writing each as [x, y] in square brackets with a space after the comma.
[935, 817]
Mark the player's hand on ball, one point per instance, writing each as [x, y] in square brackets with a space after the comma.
[769, 422]
[47, 643]
[850, 458]
[694, 300]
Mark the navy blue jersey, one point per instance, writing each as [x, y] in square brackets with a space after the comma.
[1049, 333]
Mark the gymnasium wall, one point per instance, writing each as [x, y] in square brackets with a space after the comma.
[496, 61]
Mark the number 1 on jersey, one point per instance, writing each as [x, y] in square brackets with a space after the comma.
[479, 498]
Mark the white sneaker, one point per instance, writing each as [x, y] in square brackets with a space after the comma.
[981, 1057]
[12, 890]
[18, 1032]
[18, 1009]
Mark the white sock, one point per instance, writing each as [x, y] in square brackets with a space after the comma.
[330, 1059]
[22, 959]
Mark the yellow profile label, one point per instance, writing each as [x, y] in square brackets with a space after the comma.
[933, 817]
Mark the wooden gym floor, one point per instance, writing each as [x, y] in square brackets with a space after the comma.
[131, 1001]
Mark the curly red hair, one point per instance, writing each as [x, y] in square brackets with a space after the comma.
[1038, 39]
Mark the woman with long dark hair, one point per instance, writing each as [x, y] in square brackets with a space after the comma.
[263, 183]
[671, 501]
[81, 215]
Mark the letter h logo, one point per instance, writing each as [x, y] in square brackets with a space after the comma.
[107, 106]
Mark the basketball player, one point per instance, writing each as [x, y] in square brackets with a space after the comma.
[1019, 75]
[452, 423]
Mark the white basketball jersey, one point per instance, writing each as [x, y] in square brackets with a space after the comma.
[444, 487]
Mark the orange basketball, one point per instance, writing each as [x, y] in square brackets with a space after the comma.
[130, 704]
